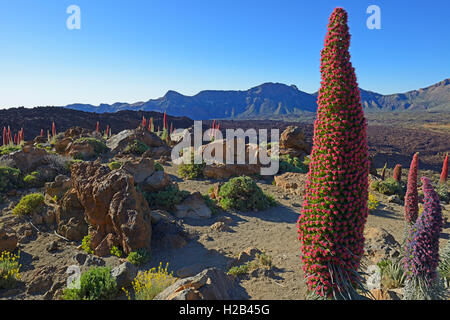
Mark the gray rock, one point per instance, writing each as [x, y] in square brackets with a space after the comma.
[394, 199]
[193, 206]
[210, 284]
[94, 261]
[124, 274]
[80, 258]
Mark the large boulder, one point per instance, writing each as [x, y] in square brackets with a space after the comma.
[380, 245]
[293, 142]
[226, 171]
[80, 149]
[157, 181]
[70, 217]
[124, 274]
[291, 182]
[120, 141]
[193, 206]
[140, 169]
[28, 159]
[217, 166]
[58, 187]
[117, 212]
[210, 284]
[8, 239]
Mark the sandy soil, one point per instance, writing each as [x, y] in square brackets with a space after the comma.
[273, 231]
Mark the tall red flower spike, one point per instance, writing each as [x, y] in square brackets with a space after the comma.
[397, 175]
[42, 132]
[412, 195]
[107, 131]
[144, 122]
[444, 173]
[53, 129]
[10, 139]
[165, 121]
[334, 212]
[97, 128]
[5, 137]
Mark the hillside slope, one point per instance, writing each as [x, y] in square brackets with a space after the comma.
[275, 99]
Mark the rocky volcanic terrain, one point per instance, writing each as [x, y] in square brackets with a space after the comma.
[96, 200]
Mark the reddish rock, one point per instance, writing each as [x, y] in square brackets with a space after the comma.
[8, 239]
[293, 142]
[118, 213]
[292, 182]
[70, 217]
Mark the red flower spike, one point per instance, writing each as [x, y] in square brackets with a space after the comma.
[412, 195]
[444, 173]
[334, 212]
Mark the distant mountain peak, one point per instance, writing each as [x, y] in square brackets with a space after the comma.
[274, 98]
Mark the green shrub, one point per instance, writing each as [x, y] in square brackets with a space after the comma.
[136, 147]
[86, 244]
[98, 145]
[261, 260]
[191, 170]
[139, 257]
[238, 270]
[388, 187]
[95, 284]
[243, 194]
[289, 164]
[158, 166]
[33, 180]
[443, 192]
[392, 274]
[9, 179]
[114, 165]
[4, 150]
[29, 204]
[212, 205]
[166, 198]
[115, 251]
[444, 265]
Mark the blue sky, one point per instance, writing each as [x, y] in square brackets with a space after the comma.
[135, 50]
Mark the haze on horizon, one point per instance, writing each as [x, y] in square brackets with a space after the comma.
[138, 50]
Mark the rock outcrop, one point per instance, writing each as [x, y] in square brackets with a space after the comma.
[70, 217]
[58, 187]
[291, 182]
[193, 206]
[8, 239]
[210, 284]
[28, 159]
[120, 141]
[117, 212]
[293, 142]
[380, 244]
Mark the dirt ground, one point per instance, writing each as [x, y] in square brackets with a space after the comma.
[272, 231]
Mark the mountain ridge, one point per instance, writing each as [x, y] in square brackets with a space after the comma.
[272, 98]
